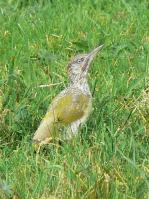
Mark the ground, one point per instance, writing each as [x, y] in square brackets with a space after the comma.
[109, 158]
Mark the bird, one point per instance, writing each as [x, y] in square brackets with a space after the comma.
[70, 109]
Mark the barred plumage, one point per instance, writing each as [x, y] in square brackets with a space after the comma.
[70, 109]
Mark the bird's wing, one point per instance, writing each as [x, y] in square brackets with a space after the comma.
[69, 107]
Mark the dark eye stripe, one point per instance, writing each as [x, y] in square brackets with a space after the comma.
[85, 65]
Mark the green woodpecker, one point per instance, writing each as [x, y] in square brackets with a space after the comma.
[71, 108]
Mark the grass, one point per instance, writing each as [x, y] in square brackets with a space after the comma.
[109, 158]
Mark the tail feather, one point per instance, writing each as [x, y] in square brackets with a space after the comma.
[44, 132]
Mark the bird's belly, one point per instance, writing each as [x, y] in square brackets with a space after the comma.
[87, 112]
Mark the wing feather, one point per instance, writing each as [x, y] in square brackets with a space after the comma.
[69, 107]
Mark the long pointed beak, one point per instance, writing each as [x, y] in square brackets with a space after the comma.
[94, 52]
[90, 57]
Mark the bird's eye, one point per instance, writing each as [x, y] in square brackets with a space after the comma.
[80, 60]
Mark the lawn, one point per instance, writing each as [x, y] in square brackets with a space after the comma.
[109, 157]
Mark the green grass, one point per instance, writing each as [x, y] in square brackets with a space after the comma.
[109, 158]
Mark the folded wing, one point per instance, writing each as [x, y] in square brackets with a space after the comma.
[68, 108]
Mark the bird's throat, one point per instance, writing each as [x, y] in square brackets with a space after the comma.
[81, 84]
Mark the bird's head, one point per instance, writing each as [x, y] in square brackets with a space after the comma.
[79, 66]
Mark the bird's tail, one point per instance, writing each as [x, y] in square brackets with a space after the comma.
[45, 131]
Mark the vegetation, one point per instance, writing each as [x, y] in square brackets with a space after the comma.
[109, 158]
